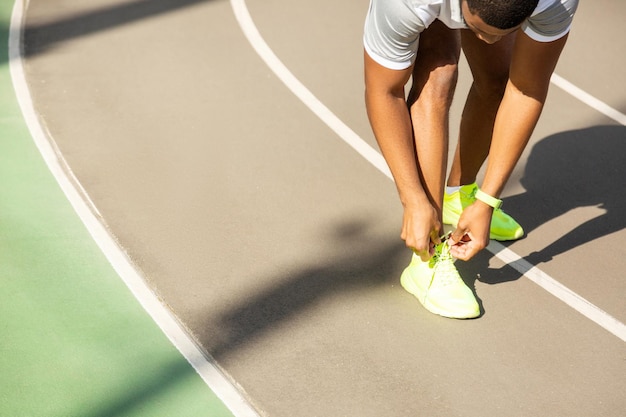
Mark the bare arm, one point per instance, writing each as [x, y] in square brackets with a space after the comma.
[531, 68]
[389, 116]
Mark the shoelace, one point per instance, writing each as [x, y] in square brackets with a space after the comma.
[443, 264]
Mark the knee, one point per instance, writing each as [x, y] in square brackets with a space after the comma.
[443, 80]
[492, 86]
[435, 86]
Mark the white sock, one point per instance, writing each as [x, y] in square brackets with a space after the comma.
[452, 190]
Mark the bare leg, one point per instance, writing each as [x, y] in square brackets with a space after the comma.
[429, 101]
[490, 68]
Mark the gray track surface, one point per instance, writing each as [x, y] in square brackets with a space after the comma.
[278, 246]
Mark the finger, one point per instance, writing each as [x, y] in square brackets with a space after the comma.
[457, 252]
[423, 255]
[460, 252]
[434, 241]
[457, 236]
[465, 250]
[422, 251]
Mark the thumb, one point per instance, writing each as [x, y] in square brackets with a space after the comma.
[434, 237]
[457, 236]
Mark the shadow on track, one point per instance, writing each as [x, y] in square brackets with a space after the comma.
[566, 171]
[361, 267]
[39, 38]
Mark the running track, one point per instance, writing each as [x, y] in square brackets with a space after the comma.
[571, 124]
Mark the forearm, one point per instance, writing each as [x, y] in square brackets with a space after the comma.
[514, 124]
[389, 117]
[532, 64]
[390, 120]
[531, 67]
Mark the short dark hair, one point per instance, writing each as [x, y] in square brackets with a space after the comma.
[502, 14]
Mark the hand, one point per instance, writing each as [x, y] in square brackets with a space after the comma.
[472, 232]
[421, 230]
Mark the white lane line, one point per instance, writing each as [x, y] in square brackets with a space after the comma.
[588, 99]
[303, 93]
[530, 271]
[203, 365]
[558, 290]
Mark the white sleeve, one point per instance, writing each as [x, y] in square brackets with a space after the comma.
[551, 20]
[392, 29]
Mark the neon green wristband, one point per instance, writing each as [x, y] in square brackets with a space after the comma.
[496, 203]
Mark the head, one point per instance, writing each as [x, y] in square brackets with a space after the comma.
[502, 14]
[493, 19]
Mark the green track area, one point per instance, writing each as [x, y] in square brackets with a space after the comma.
[74, 341]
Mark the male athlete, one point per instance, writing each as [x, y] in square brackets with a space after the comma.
[512, 47]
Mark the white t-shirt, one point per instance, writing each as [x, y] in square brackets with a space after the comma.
[392, 27]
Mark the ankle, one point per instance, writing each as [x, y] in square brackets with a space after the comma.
[452, 189]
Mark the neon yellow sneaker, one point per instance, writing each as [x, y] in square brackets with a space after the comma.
[438, 285]
[503, 226]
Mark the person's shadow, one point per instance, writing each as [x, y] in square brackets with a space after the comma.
[565, 171]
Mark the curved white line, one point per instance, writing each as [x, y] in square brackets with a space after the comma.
[204, 366]
[312, 102]
[531, 272]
